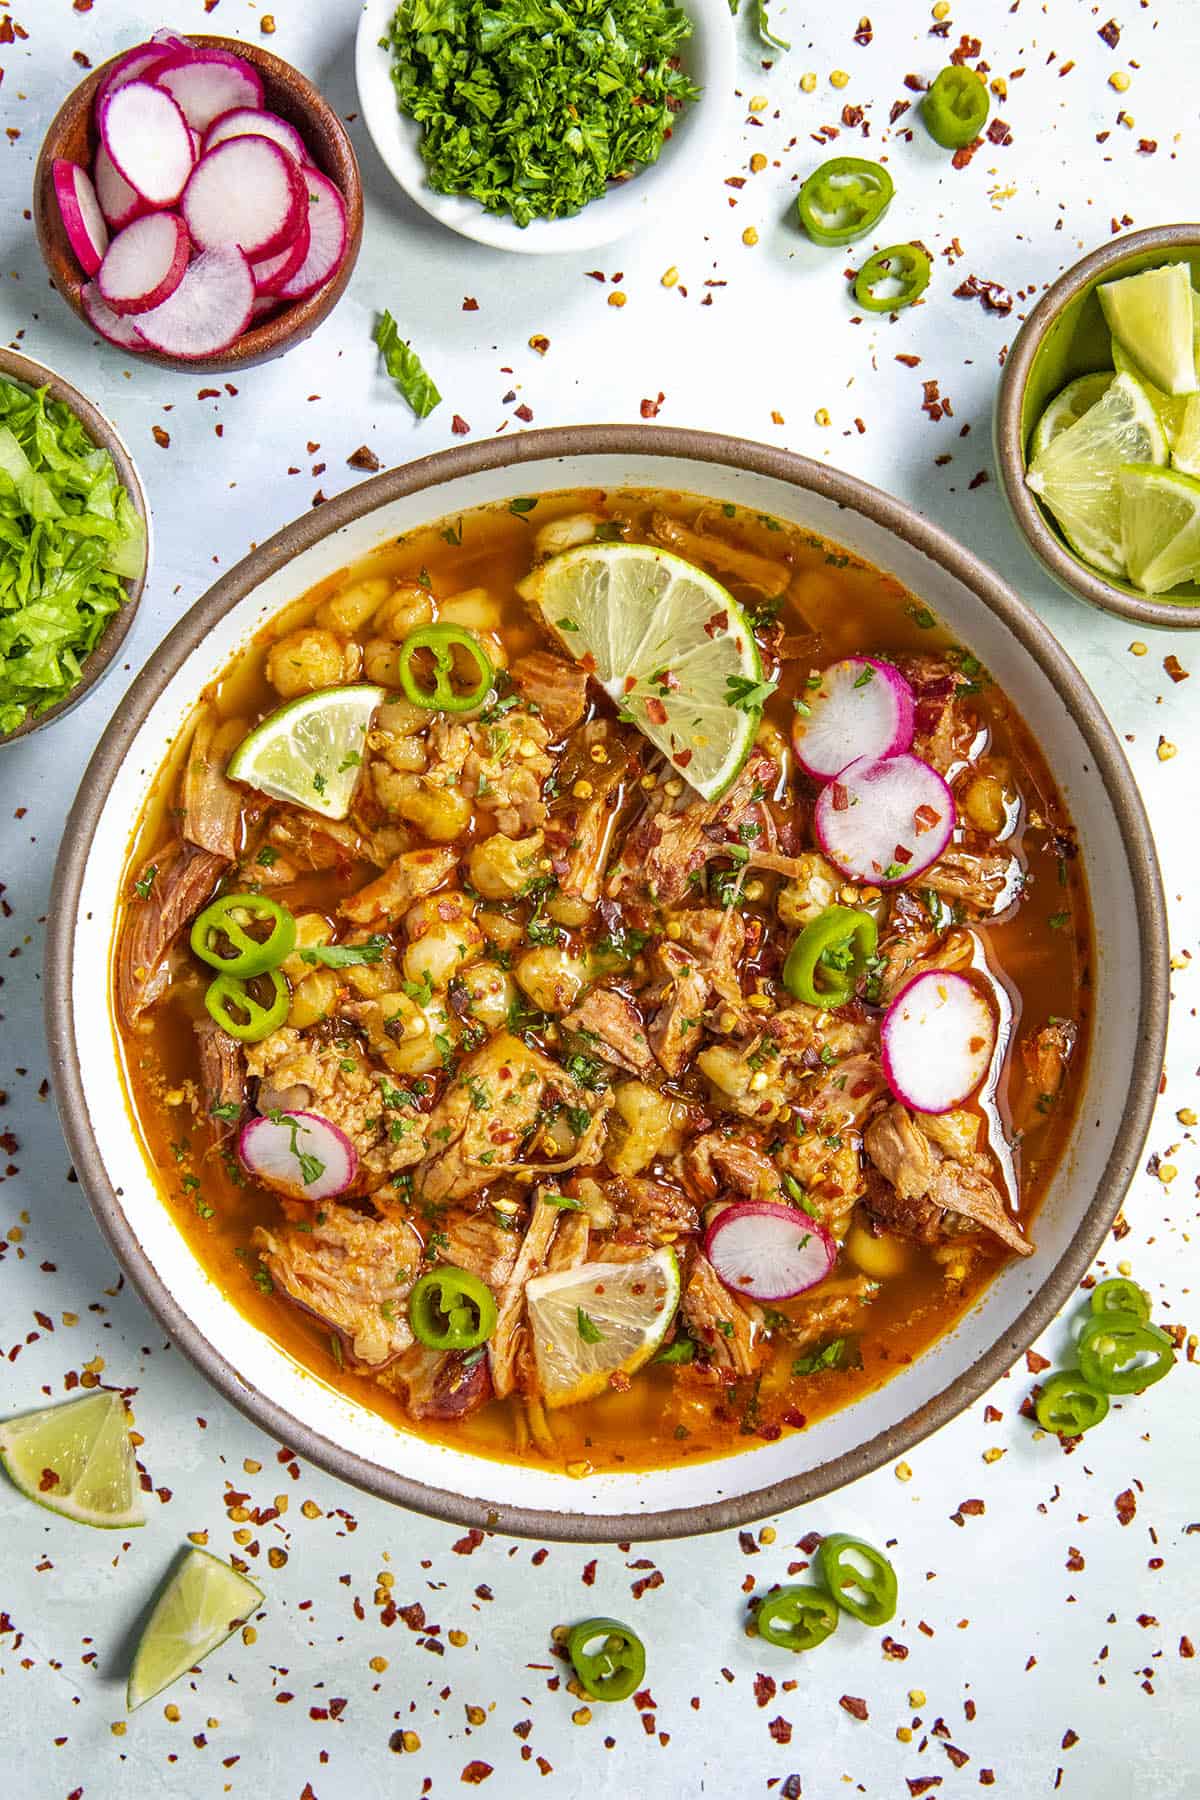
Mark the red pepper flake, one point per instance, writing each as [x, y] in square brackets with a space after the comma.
[992, 294]
[208, 394]
[1111, 33]
[638, 1588]
[999, 133]
[735, 181]
[475, 1772]
[1147, 146]
[459, 426]
[764, 1689]
[650, 408]
[469, 304]
[1075, 1561]
[915, 84]
[682, 758]
[1186, 1647]
[588, 1576]
[841, 799]
[968, 49]
[540, 344]
[656, 712]
[921, 1784]
[524, 413]
[963, 156]
[594, 274]
[7, 34]
[852, 116]
[162, 438]
[781, 1730]
[899, 108]
[364, 458]
[465, 1545]
[893, 1651]
[1174, 668]
[977, 480]
[854, 1706]
[957, 1757]
[1035, 1362]
[1125, 1506]
[901, 854]
[908, 359]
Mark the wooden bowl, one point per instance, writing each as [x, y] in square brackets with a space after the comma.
[73, 135]
[23, 370]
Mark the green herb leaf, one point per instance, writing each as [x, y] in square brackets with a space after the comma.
[747, 695]
[345, 956]
[405, 367]
[589, 1331]
[144, 887]
[564, 1201]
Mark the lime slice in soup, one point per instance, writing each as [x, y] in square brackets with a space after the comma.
[77, 1460]
[203, 1603]
[1160, 527]
[1076, 474]
[598, 1320]
[311, 750]
[667, 643]
[1068, 408]
[1151, 316]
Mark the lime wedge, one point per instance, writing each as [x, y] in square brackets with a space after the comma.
[1076, 474]
[1185, 451]
[1151, 315]
[598, 1320]
[1160, 527]
[203, 1603]
[667, 643]
[1169, 407]
[77, 1460]
[1068, 408]
[311, 750]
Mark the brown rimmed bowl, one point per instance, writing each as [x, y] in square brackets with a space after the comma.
[1064, 336]
[1120, 1082]
[28, 373]
[286, 91]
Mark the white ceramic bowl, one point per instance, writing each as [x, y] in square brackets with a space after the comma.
[708, 56]
[1120, 1083]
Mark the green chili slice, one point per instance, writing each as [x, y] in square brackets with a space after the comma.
[836, 946]
[956, 107]
[1070, 1405]
[221, 934]
[843, 199]
[892, 278]
[797, 1618]
[1110, 1345]
[244, 1013]
[1121, 1296]
[441, 641]
[868, 1595]
[609, 1658]
[451, 1309]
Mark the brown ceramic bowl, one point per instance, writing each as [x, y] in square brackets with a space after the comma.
[1064, 336]
[73, 135]
[23, 369]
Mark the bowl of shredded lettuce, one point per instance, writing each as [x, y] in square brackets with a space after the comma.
[74, 545]
[537, 125]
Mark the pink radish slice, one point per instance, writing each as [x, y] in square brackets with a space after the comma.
[136, 64]
[884, 819]
[271, 273]
[145, 263]
[209, 309]
[171, 40]
[81, 214]
[247, 121]
[265, 306]
[119, 203]
[101, 317]
[862, 708]
[298, 1153]
[246, 192]
[327, 237]
[207, 83]
[768, 1251]
[938, 1036]
[147, 137]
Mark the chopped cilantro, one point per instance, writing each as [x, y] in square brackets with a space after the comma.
[588, 1330]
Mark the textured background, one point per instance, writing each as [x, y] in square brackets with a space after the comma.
[1048, 1602]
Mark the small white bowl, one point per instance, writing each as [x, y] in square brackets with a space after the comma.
[708, 56]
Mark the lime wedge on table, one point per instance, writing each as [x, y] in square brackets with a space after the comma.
[1076, 474]
[1160, 527]
[1152, 316]
[202, 1604]
[597, 1320]
[77, 1460]
[1068, 408]
[311, 750]
[667, 643]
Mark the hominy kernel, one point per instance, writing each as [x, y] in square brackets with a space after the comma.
[669, 277]
[674, 930]
[577, 1470]
[903, 1472]
[750, 236]
[761, 1003]
[386, 1579]
[649, 781]
[617, 298]
[808, 83]
[673, 788]
[758, 163]
[727, 1021]
[1127, 120]
[1125, 1268]
[753, 890]
[560, 1634]
[267, 24]
[1119, 79]
[839, 79]
[999, 87]
[174, 1096]
[583, 790]
[598, 754]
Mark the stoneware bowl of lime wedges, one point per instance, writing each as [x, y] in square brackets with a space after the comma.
[1097, 427]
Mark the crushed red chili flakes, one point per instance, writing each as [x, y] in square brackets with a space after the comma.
[1111, 33]
[1125, 1507]
[475, 1772]
[923, 1784]
[764, 1689]
[162, 438]
[470, 304]
[992, 295]
[364, 458]
[781, 1730]
[459, 426]
[650, 408]
[1035, 1362]
[1174, 668]
[998, 132]
[854, 1706]
[899, 108]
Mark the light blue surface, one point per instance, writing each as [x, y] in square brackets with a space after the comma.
[1045, 1616]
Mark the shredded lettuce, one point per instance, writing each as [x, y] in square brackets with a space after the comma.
[69, 540]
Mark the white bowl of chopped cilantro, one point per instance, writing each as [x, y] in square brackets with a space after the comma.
[539, 125]
[74, 545]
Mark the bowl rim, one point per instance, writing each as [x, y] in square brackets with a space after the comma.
[1084, 583]
[428, 474]
[16, 366]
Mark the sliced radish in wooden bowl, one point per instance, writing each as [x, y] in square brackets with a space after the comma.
[249, 121]
[137, 63]
[884, 819]
[112, 326]
[938, 1037]
[327, 237]
[145, 263]
[768, 1251]
[246, 192]
[148, 139]
[120, 203]
[207, 83]
[274, 272]
[209, 309]
[81, 215]
[863, 707]
[298, 1153]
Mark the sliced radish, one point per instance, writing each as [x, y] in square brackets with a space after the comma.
[171, 40]
[136, 64]
[101, 317]
[327, 237]
[938, 1036]
[884, 819]
[207, 83]
[248, 121]
[768, 1251]
[273, 271]
[145, 263]
[265, 306]
[246, 192]
[209, 309]
[81, 214]
[298, 1153]
[862, 708]
[148, 139]
[119, 203]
